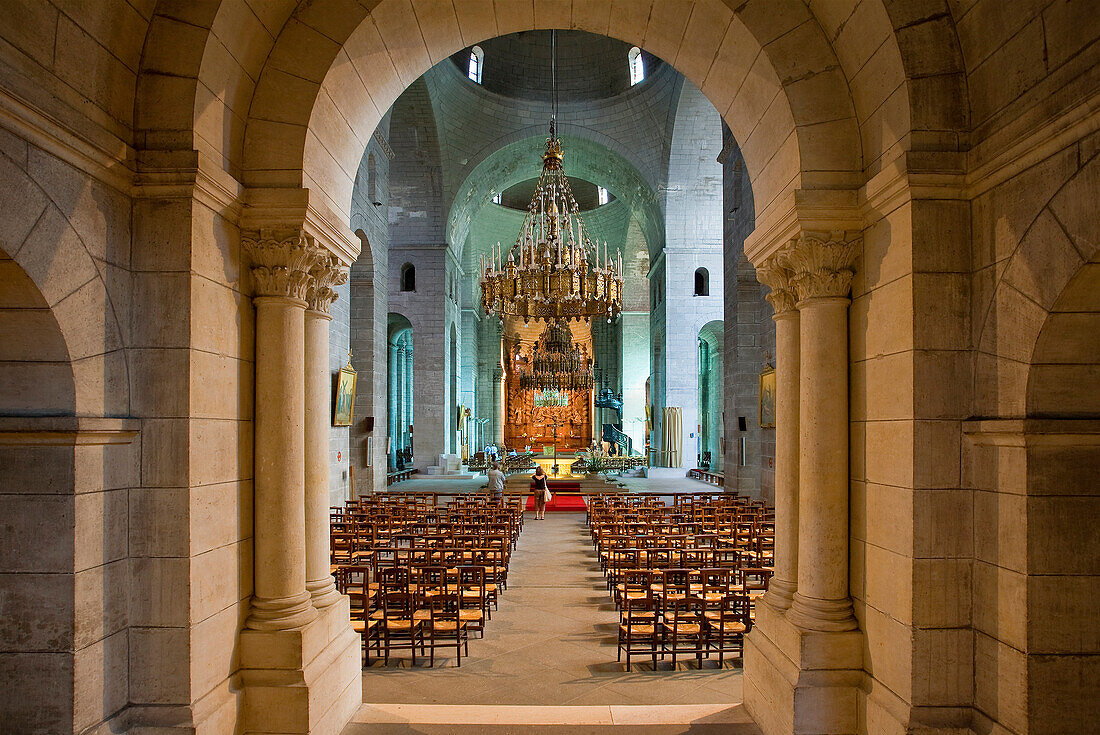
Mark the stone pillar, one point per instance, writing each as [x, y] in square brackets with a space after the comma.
[281, 274]
[821, 268]
[777, 276]
[498, 405]
[318, 408]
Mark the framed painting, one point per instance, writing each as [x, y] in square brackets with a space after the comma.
[345, 396]
[767, 398]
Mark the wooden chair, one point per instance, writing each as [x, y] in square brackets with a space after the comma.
[727, 626]
[684, 628]
[639, 631]
[444, 627]
[473, 597]
[400, 629]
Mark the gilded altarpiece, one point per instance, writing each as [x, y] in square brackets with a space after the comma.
[528, 424]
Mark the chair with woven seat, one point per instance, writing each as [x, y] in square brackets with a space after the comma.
[637, 584]
[444, 627]
[684, 628]
[400, 629]
[727, 626]
[473, 598]
[639, 630]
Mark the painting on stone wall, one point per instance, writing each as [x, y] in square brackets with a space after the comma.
[345, 396]
[767, 398]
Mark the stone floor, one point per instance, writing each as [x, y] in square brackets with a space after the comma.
[550, 647]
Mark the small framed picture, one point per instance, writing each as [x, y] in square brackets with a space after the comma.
[767, 398]
[345, 396]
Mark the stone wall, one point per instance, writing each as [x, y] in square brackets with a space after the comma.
[693, 240]
[365, 305]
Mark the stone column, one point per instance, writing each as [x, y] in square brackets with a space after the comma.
[775, 274]
[281, 273]
[498, 405]
[821, 267]
[318, 408]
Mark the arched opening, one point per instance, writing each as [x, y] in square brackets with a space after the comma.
[711, 392]
[477, 64]
[1062, 439]
[636, 65]
[408, 277]
[401, 411]
[38, 639]
[702, 282]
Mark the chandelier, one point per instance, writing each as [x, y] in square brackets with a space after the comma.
[557, 363]
[547, 273]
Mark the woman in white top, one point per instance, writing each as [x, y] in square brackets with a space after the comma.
[496, 482]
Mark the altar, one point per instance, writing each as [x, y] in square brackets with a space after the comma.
[565, 462]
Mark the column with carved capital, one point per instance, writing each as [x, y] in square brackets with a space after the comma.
[821, 268]
[281, 273]
[325, 274]
[776, 274]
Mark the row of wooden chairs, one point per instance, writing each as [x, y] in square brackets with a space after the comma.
[421, 577]
[685, 576]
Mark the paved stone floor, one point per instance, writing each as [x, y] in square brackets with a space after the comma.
[552, 642]
[548, 661]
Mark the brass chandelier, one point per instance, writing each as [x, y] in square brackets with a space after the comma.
[557, 363]
[547, 273]
[554, 270]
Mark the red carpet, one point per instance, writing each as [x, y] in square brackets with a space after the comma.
[560, 502]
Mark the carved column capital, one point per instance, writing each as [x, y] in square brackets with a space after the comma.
[775, 274]
[325, 274]
[281, 267]
[822, 264]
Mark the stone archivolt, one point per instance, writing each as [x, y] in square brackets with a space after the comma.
[283, 267]
[821, 264]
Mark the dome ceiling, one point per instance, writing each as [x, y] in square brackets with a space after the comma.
[589, 66]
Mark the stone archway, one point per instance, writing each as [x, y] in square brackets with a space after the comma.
[792, 103]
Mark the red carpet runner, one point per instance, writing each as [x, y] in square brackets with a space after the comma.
[560, 502]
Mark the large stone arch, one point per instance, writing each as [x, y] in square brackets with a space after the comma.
[804, 137]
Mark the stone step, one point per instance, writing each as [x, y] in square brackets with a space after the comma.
[596, 719]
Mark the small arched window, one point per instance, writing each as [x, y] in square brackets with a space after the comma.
[408, 277]
[477, 64]
[601, 195]
[372, 180]
[702, 282]
[637, 66]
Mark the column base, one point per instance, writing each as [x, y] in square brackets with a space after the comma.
[827, 616]
[306, 681]
[801, 681]
[323, 592]
[780, 594]
[281, 613]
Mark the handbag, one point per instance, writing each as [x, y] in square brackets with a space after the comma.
[547, 496]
